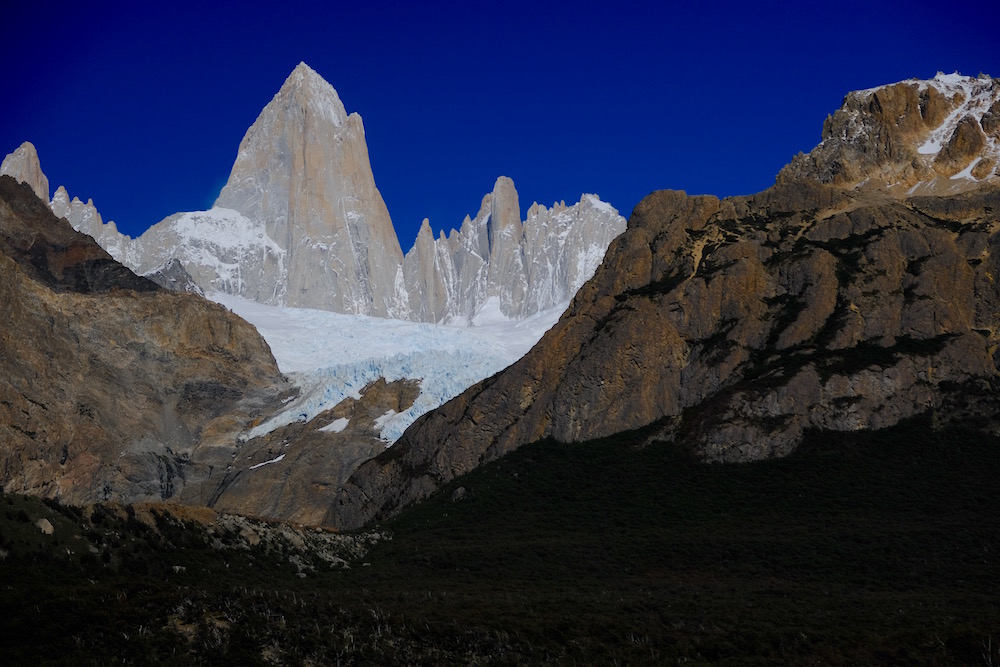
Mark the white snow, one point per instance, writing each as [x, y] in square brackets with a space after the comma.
[382, 421]
[602, 206]
[976, 95]
[952, 79]
[967, 172]
[331, 356]
[223, 228]
[336, 426]
[274, 460]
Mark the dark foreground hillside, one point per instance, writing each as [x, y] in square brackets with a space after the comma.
[868, 548]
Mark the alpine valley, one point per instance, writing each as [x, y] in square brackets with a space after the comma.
[755, 430]
[300, 243]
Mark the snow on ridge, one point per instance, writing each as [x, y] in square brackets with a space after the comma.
[939, 81]
[974, 97]
[978, 95]
[224, 228]
[602, 206]
[953, 78]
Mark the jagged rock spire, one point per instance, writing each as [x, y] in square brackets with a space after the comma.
[24, 167]
[302, 175]
[300, 222]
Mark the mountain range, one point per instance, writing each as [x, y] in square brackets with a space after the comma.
[301, 223]
[300, 206]
[856, 292]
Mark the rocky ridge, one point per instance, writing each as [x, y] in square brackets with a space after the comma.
[834, 300]
[173, 276]
[111, 388]
[915, 137]
[294, 472]
[301, 223]
[527, 266]
[23, 166]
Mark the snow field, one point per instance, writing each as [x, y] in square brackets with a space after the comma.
[331, 356]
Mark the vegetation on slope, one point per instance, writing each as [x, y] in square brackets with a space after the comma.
[871, 547]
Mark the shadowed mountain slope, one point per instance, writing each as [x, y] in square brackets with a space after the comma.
[110, 384]
[735, 325]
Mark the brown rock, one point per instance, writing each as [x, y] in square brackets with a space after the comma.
[984, 169]
[907, 137]
[934, 106]
[966, 142]
[111, 388]
[736, 325]
[295, 472]
[23, 166]
[991, 121]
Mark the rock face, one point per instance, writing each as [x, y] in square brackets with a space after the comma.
[914, 137]
[85, 218]
[112, 388]
[23, 166]
[174, 276]
[301, 223]
[525, 267]
[303, 174]
[732, 326]
[294, 472]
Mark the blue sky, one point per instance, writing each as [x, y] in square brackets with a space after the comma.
[141, 106]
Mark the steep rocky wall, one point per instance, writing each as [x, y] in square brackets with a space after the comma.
[23, 166]
[111, 388]
[526, 267]
[735, 325]
[914, 137]
[300, 222]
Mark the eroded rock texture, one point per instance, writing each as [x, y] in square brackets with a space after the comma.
[937, 136]
[734, 325]
[110, 386]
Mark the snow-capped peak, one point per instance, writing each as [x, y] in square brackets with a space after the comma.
[918, 136]
[951, 79]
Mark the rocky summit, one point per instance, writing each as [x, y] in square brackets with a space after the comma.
[938, 136]
[527, 267]
[300, 222]
[836, 300]
[24, 167]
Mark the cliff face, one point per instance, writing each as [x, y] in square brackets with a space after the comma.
[735, 325]
[303, 173]
[828, 301]
[301, 223]
[526, 267]
[937, 136]
[111, 388]
[23, 166]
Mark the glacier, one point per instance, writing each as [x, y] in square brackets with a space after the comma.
[331, 356]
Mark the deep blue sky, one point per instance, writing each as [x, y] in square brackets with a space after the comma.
[142, 107]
